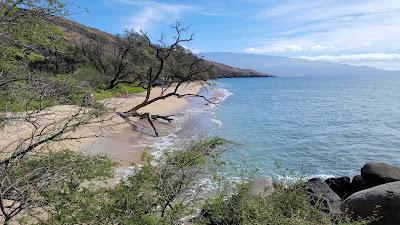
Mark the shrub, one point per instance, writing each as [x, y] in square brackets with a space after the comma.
[281, 205]
[102, 94]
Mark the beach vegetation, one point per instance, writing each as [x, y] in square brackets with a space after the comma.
[183, 186]
[282, 204]
[121, 89]
[41, 182]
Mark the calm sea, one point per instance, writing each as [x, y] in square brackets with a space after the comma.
[327, 126]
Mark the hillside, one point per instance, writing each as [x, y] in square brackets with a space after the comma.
[283, 66]
[225, 71]
[75, 32]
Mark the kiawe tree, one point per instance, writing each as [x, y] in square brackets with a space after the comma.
[119, 61]
[136, 60]
[174, 67]
[29, 118]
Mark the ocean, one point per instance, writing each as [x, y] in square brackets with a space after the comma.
[303, 126]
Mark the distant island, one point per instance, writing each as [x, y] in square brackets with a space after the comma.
[283, 66]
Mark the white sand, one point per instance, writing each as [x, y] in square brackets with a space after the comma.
[122, 139]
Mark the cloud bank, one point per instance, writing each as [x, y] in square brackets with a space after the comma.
[153, 13]
[354, 57]
[331, 26]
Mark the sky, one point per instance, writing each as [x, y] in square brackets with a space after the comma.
[356, 32]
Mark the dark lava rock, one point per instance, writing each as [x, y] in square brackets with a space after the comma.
[375, 174]
[357, 184]
[382, 202]
[319, 191]
[341, 186]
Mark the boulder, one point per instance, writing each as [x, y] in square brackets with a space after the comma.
[341, 186]
[258, 187]
[319, 191]
[382, 202]
[375, 174]
[357, 184]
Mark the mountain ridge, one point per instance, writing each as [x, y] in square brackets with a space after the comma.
[76, 32]
[284, 66]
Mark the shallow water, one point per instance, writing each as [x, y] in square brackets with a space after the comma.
[327, 126]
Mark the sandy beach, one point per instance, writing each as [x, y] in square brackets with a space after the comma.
[125, 139]
[122, 139]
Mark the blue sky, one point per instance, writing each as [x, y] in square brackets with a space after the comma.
[357, 32]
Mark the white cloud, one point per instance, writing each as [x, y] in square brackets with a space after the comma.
[354, 57]
[331, 26]
[153, 13]
[287, 46]
[192, 49]
[276, 48]
[314, 10]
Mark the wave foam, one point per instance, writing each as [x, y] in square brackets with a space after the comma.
[226, 93]
[163, 144]
[169, 141]
[217, 122]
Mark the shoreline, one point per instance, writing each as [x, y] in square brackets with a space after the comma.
[126, 141]
[122, 139]
[126, 146]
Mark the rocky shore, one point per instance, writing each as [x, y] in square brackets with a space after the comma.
[375, 193]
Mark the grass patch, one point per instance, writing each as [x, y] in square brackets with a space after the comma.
[23, 106]
[102, 94]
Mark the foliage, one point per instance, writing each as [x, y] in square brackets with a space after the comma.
[281, 205]
[25, 30]
[173, 189]
[40, 181]
[162, 191]
[102, 94]
[39, 92]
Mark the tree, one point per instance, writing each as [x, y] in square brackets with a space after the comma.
[30, 185]
[25, 95]
[30, 118]
[135, 60]
[171, 72]
[119, 61]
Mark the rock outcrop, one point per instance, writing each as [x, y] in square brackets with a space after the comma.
[357, 184]
[319, 191]
[375, 174]
[225, 71]
[382, 202]
[341, 186]
[374, 195]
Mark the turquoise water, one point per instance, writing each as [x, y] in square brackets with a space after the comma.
[315, 126]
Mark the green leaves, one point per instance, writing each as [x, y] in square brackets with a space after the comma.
[162, 191]
[283, 204]
[102, 94]
[52, 181]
